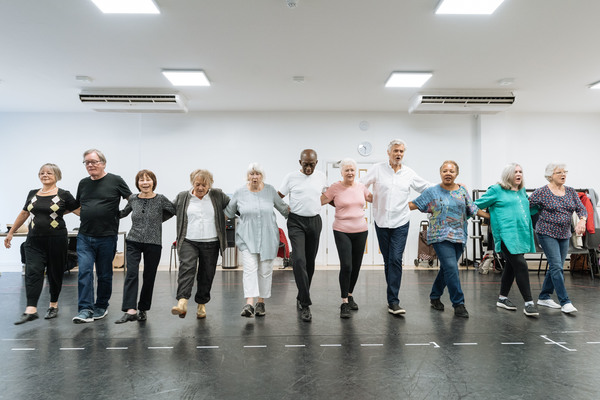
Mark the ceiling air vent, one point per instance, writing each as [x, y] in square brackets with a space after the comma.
[110, 101]
[460, 103]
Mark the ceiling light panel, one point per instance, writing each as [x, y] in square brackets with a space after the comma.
[408, 79]
[595, 85]
[482, 7]
[186, 77]
[127, 6]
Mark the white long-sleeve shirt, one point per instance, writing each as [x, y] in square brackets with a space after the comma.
[390, 193]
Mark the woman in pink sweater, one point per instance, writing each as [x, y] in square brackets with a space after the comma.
[349, 229]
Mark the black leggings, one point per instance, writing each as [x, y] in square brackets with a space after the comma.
[44, 254]
[516, 267]
[350, 247]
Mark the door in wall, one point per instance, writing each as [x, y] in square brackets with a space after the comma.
[372, 253]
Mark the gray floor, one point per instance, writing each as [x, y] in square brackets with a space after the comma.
[495, 354]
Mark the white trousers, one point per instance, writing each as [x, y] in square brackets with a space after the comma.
[258, 275]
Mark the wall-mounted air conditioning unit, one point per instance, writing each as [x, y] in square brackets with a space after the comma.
[133, 101]
[460, 102]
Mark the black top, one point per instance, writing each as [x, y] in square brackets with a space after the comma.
[47, 212]
[147, 218]
[100, 200]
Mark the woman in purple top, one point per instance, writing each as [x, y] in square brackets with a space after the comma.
[556, 203]
[349, 229]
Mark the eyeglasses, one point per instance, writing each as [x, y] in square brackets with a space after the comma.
[92, 162]
[561, 172]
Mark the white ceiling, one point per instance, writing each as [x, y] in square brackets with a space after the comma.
[345, 49]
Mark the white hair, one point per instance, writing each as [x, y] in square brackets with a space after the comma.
[256, 167]
[347, 161]
[396, 142]
[550, 168]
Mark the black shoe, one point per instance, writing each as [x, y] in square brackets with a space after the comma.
[395, 309]
[141, 315]
[353, 305]
[247, 311]
[27, 318]
[127, 318]
[436, 304]
[461, 311]
[345, 311]
[306, 315]
[259, 309]
[51, 313]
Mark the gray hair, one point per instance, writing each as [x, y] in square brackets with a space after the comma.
[508, 176]
[256, 167]
[450, 162]
[396, 142]
[203, 176]
[347, 161]
[550, 168]
[98, 152]
[55, 170]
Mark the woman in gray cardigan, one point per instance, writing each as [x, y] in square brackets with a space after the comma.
[200, 238]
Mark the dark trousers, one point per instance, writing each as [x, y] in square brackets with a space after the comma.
[200, 256]
[151, 254]
[515, 268]
[304, 233]
[351, 248]
[44, 254]
[392, 242]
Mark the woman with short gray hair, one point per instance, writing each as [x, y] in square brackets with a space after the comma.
[349, 229]
[200, 239]
[556, 203]
[257, 236]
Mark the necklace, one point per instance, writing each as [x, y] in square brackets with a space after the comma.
[47, 191]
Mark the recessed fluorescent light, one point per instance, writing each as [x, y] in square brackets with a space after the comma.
[187, 77]
[408, 79]
[127, 6]
[467, 6]
[595, 85]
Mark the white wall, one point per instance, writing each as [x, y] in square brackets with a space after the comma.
[174, 144]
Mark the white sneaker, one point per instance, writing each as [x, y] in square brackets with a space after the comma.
[568, 308]
[548, 303]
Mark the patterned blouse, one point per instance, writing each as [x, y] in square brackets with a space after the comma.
[47, 212]
[449, 211]
[556, 211]
[147, 218]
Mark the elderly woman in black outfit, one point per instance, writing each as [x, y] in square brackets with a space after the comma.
[47, 243]
[150, 210]
[200, 238]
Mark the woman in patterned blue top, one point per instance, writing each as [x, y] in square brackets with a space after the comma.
[47, 243]
[449, 206]
[556, 203]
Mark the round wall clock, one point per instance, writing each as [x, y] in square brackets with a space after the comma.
[365, 148]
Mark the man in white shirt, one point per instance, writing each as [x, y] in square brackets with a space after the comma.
[392, 182]
[304, 224]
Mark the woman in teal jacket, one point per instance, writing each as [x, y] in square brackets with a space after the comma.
[513, 234]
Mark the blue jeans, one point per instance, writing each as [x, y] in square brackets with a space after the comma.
[392, 242]
[448, 254]
[556, 253]
[100, 251]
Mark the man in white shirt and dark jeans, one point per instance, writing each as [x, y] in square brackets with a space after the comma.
[392, 182]
[304, 224]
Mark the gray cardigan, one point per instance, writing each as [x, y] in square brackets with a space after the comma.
[219, 201]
